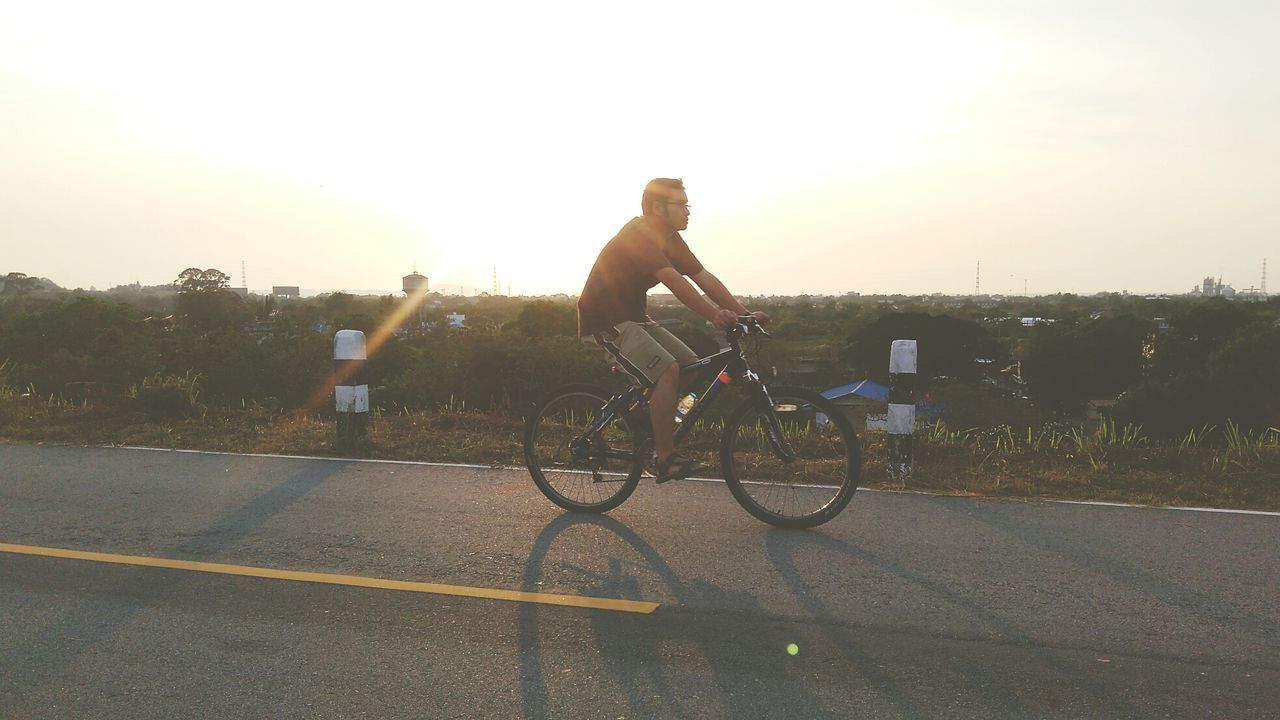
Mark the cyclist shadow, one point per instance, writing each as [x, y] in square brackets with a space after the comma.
[783, 546]
[630, 646]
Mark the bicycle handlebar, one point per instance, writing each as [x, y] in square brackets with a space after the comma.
[747, 325]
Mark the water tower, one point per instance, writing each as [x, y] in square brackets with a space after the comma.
[415, 291]
[415, 284]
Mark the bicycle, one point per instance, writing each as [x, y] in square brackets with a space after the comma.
[587, 450]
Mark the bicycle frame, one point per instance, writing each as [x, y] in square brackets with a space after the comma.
[735, 366]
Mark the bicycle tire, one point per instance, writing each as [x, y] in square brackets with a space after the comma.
[827, 467]
[587, 485]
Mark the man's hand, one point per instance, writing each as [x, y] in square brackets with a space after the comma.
[763, 317]
[724, 319]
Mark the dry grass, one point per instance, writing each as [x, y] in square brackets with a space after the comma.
[1200, 474]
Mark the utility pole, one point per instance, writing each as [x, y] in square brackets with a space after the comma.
[977, 280]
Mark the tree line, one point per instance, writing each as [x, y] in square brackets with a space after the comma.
[1173, 363]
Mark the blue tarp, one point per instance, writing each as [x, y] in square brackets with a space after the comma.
[875, 391]
[864, 388]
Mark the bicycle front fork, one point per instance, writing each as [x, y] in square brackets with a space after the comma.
[773, 428]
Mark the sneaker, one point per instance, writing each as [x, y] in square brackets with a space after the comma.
[678, 467]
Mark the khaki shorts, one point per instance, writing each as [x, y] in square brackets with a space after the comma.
[643, 350]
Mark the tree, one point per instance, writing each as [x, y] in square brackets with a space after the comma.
[544, 318]
[195, 280]
[1111, 353]
[1198, 332]
[1246, 372]
[1067, 364]
[86, 340]
[338, 304]
[205, 304]
[16, 283]
[1051, 369]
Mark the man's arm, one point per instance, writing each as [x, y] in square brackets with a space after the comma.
[721, 295]
[721, 317]
[718, 293]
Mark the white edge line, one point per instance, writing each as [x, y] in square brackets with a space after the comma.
[1095, 503]
[1171, 507]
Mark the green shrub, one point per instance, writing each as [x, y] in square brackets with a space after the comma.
[167, 396]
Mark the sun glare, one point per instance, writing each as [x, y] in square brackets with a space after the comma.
[516, 148]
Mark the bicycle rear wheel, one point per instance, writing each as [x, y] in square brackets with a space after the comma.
[581, 473]
[806, 490]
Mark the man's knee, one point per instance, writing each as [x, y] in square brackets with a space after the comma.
[671, 374]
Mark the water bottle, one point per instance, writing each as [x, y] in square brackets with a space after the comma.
[685, 405]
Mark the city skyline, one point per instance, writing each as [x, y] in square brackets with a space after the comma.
[1209, 286]
[1070, 147]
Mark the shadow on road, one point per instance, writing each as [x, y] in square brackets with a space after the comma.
[100, 616]
[631, 647]
[1093, 555]
[1004, 697]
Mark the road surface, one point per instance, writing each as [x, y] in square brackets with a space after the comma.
[905, 606]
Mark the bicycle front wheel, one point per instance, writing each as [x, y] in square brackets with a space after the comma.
[793, 463]
[581, 472]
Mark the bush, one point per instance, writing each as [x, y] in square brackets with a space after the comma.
[167, 396]
[974, 406]
[489, 371]
[1168, 408]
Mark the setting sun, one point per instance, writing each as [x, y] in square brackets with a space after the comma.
[340, 149]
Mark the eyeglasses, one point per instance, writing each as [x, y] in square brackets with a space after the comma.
[686, 206]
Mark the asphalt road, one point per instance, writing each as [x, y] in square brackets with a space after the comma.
[906, 606]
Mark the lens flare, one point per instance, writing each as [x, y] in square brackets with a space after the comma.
[372, 344]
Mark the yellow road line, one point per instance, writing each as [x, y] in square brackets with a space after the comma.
[581, 601]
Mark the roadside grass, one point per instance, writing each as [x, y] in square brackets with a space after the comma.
[1214, 468]
[1210, 467]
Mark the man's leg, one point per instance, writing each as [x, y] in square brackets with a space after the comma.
[662, 411]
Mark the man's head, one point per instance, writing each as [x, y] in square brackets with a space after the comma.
[664, 200]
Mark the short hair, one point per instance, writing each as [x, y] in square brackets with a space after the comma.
[659, 190]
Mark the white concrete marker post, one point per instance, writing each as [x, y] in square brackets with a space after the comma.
[902, 407]
[350, 394]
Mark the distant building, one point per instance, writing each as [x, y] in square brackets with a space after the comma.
[242, 292]
[413, 283]
[292, 291]
[1033, 321]
[456, 321]
[1213, 288]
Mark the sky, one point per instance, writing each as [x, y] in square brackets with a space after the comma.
[1075, 146]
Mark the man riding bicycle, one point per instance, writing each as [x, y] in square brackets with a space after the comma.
[611, 309]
